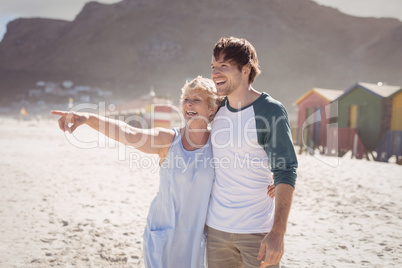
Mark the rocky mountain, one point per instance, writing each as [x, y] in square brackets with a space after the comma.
[132, 45]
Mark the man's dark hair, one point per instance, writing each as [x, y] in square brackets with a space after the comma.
[241, 52]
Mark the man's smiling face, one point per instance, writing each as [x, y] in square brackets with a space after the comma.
[226, 75]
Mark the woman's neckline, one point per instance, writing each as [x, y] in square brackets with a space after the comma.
[202, 147]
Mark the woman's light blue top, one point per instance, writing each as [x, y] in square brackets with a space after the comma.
[174, 235]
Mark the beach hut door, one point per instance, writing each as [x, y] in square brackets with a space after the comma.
[317, 126]
[353, 116]
[308, 133]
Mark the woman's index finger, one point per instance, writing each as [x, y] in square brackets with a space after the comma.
[57, 112]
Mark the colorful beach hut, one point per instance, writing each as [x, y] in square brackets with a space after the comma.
[313, 117]
[391, 142]
[364, 109]
[147, 111]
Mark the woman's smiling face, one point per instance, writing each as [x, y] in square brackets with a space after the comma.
[195, 106]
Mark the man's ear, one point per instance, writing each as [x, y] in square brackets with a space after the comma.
[246, 69]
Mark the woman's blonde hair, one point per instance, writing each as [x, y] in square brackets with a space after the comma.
[206, 85]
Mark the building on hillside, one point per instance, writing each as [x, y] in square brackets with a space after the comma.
[313, 118]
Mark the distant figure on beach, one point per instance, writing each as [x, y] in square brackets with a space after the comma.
[251, 132]
[175, 232]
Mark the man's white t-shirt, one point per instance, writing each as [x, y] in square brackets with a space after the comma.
[245, 145]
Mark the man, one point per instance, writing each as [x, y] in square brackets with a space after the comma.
[251, 138]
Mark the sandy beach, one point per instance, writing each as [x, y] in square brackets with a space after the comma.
[83, 201]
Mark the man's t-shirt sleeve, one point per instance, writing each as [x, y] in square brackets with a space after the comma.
[275, 137]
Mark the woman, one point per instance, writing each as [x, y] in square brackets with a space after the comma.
[174, 234]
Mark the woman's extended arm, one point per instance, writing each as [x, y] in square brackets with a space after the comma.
[151, 141]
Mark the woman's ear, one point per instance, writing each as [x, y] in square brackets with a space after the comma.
[212, 113]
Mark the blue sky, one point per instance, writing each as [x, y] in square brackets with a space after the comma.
[68, 9]
[54, 9]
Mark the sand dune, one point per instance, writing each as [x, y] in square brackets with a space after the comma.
[66, 204]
